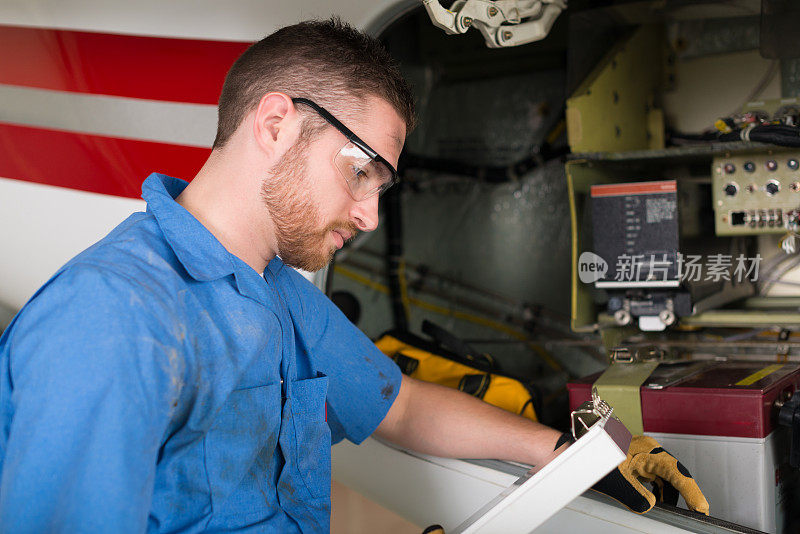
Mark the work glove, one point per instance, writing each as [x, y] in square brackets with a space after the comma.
[648, 462]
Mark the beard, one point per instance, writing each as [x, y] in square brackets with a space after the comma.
[300, 233]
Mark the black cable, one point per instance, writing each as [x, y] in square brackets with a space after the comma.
[486, 173]
[776, 134]
[394, 256]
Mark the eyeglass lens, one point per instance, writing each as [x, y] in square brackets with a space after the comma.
[364, 175]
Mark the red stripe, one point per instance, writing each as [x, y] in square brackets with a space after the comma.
[638, 188]
[95, 163]
[156, 68]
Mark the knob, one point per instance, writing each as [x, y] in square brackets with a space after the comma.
[793, 164]
[772, 165]
[731, 189]
[772, 187]
[729, 168]
[749, 166]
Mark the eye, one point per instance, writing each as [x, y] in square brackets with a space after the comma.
[360, 174]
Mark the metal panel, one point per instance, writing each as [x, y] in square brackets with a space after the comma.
[610, 111]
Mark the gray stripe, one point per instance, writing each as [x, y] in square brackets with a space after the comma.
[169, 122]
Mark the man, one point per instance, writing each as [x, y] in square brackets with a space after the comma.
[178, 376]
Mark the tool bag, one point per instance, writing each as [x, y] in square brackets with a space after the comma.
[448, 361]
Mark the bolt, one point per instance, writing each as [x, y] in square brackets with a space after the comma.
[507, 35]
[466, 22]
[492, 11]
[622, 317]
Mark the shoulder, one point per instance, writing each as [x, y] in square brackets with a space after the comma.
[124, 283]
[90, 322]
[86, 299]
[133, 257]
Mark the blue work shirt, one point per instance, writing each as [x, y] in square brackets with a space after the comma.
[158, 383]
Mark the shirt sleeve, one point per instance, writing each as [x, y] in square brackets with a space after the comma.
[362, 381]
[92, 380]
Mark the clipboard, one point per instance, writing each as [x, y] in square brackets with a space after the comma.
[601, 445]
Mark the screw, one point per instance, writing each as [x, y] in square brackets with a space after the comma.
[466, 22]
[507, 35]
[492, 11]
[622, 317]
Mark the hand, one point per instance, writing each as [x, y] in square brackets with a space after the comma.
[648, 462]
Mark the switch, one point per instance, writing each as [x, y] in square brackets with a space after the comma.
[772, 187]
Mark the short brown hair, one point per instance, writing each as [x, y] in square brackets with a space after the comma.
[327, 61]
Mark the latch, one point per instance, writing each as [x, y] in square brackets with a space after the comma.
[588, 414]
[503, 23]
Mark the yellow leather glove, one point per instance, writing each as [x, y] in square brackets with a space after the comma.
[434, 529]
[648, 462]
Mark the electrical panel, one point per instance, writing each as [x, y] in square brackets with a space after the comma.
[756, 193]
[649, 258]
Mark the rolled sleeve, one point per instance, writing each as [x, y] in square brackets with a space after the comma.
[363, 382]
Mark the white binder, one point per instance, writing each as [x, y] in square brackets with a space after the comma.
[536, 496]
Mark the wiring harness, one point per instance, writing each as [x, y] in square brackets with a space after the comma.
[757, 126]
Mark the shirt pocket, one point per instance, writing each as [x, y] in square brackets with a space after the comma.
[239, 450]
[311, 447]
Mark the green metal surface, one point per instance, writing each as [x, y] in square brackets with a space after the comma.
[580, 177]
[763, 303]
[619, 386]
[743, 318]
[610, 110]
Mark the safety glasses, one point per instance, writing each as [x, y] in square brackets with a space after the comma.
[364, 170]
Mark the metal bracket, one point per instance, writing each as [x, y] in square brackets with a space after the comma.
[503, 23]
[641, 354]
[589, 413]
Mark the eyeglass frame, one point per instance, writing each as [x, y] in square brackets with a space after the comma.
[351, 137]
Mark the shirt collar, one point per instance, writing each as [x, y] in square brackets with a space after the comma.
[200, 253]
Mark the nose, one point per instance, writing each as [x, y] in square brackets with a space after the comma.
[365, 214]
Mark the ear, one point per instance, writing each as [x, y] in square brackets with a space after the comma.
[276, 124]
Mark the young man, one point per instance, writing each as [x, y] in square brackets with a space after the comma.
[178, 376]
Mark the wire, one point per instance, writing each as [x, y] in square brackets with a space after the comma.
[442, 310]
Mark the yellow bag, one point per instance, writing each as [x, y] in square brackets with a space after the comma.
[424, 360]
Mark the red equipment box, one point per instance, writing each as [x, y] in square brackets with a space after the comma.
[734, 399]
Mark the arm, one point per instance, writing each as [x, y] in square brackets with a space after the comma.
[436, 420]
[91, 393]
[432, 419]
